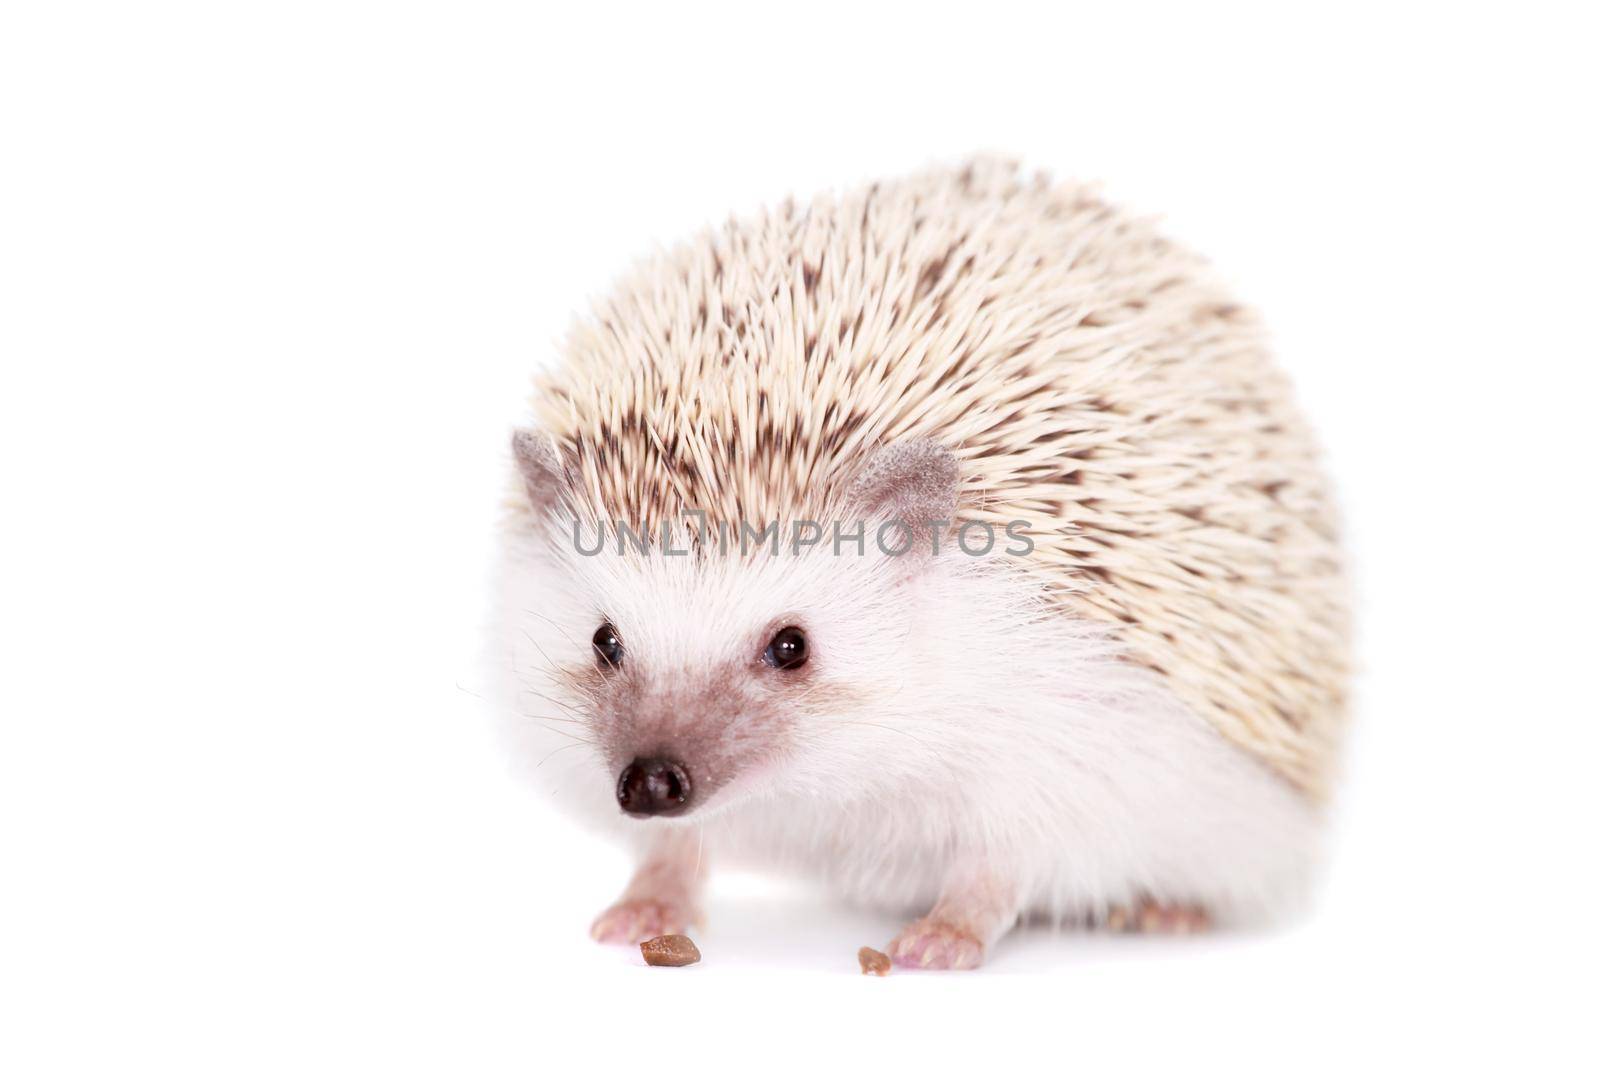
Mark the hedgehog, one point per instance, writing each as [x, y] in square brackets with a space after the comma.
[954, 542]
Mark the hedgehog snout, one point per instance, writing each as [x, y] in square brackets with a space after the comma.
[653, 786]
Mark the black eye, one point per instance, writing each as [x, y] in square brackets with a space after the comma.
[608, 646]
[787, 650]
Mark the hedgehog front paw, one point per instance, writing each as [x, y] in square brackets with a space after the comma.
[628, 922]
[936, 945]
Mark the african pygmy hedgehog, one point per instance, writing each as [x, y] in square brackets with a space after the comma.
[954, 541]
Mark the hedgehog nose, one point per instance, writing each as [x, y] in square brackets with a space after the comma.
[653, 787]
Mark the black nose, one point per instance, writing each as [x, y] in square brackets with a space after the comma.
[653, 787]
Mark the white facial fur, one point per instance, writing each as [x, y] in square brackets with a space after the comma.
[949, 715]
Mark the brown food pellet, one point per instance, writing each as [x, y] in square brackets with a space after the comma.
[669, 950]
[873, 962]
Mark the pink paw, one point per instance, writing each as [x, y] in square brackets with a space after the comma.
[1148, 917]
[934, 945]
[627, 922]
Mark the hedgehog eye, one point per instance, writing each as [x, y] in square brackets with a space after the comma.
[787, 651]
[608, 646]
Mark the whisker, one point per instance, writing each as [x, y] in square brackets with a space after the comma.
[563, 748]
[563, 733]
[553, 718]
[542, 695]
[540, 647]
[551, 621]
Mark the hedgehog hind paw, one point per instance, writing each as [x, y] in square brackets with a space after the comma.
[1151, 917]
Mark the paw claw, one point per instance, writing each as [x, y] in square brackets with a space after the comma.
[1148, 917]
[931, 945]
[628, 922]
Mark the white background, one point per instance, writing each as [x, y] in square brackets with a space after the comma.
[273, 278]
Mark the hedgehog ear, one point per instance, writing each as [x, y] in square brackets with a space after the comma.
[540, 465]
[912, 482]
